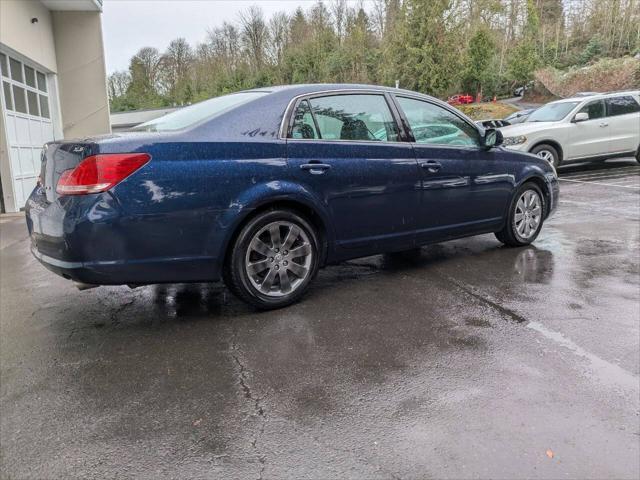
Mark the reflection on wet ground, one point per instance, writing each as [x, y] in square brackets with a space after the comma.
[189, 300]
[462, 359]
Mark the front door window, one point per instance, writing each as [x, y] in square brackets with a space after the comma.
[435, 125]
[594, 109]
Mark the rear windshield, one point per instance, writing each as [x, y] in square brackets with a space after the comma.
[188, 116]
[552, 112]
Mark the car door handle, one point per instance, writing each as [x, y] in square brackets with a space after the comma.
[431, 165]
[315, 168]
[604, 124]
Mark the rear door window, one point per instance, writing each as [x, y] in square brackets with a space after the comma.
[303, 124]
[594, 109]
[357, 117]
[621, 105]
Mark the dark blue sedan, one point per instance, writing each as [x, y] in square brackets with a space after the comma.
[263, 187]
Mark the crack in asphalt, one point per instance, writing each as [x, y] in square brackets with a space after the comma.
[113, 314]
[484, 299]
[120, 309]
[259, 410]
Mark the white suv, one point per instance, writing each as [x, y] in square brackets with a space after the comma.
[593, 127]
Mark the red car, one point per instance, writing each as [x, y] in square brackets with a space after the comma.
[460, 99]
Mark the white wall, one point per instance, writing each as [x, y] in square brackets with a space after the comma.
[33, 40]
[82, 76]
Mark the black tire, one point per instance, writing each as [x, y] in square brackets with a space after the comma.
[544, 147]
[509, 234]
[235, 273]
[638, 155]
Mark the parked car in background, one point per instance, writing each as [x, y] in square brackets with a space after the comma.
[519, 91]
[519, 117]
[461, 99]
[591, 127]
[263, 187]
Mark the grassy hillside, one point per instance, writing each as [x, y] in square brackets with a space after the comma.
[608, 74]
[483, 111]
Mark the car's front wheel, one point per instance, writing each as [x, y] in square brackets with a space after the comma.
[525, 217]
[273, 259]
[548, 153]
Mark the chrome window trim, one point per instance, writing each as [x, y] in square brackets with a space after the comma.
[340, 140]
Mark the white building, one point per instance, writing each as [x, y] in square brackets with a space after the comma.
[121, 121]
[53, 84]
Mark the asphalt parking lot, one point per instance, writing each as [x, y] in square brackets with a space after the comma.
[465, 360]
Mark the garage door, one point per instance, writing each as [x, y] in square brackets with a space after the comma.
[25, 106]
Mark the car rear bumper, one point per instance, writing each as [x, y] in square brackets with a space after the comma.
[89, 240]
[132, 272]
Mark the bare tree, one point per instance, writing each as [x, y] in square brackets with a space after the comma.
[117, 84]
[278, 36]
[224, 47]
[176, 68]
[254, 35]
[339, 14]
[145, 67]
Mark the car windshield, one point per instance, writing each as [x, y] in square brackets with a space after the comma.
[552, 112]
[518, 114]
[188, 116]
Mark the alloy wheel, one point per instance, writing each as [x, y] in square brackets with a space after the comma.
[528, 214]
[279, 258]
[546, 155]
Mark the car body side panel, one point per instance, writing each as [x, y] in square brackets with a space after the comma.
[181, 202]
[370, 191]
[625, 132]
[469, 192]
[277, 192]
[588, 139]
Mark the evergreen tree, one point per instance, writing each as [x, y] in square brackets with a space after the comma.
[479, 70]
[439, 47]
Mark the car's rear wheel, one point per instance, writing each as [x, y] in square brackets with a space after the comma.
[273, 259]
[548, 153]
[525, 217]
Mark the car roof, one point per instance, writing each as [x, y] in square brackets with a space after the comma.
[262, 118]
[308, 88]
[595, 96]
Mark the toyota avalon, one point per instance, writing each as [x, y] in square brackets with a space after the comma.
[261, 188]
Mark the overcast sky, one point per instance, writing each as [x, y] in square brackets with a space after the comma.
[129, 25]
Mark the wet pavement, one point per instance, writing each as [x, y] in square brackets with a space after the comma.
[463, 360]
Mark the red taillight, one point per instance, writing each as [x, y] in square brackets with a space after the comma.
[99, 173]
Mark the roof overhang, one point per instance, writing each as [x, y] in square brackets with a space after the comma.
[70, 5]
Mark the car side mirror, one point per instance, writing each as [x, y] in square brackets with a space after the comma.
[492, 138]
[581, 117]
